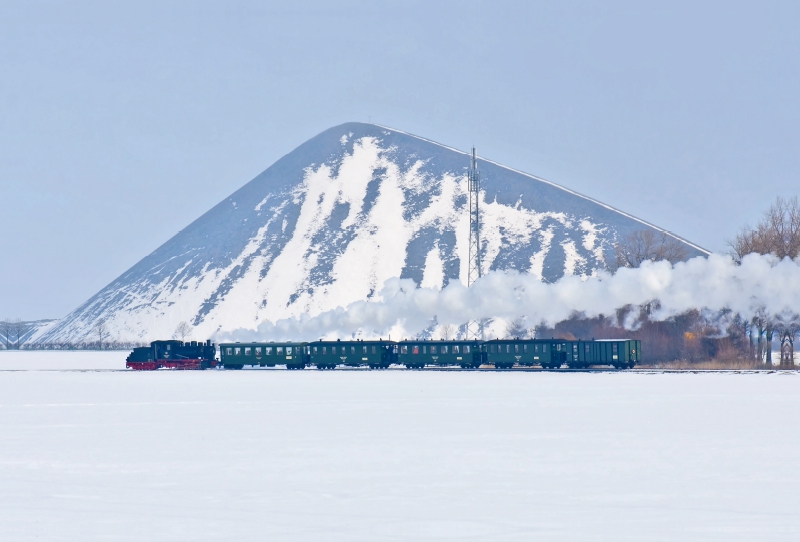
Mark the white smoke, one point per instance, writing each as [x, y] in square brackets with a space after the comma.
[759, 283]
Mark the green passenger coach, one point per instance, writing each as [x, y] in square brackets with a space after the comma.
[237, 355]
[418, 354]
[373, 354]
[505, 353]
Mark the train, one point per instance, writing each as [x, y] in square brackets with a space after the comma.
[381, 354]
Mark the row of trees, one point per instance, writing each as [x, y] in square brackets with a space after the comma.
[777, 233]
[84, 345]
[13, 331]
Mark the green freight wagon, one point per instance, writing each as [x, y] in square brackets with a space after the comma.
[237, 355]
[418, 354]
[622, 354]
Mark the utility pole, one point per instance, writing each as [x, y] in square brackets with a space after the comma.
[474, 328]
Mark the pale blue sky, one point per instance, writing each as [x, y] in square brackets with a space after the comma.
[121, 122]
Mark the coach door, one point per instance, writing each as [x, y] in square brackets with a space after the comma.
[558, 352]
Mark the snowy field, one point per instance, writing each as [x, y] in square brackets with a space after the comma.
[398, 455]
[48, 360]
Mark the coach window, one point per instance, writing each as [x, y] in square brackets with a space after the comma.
[424, 349]
[508, 349]
[229, 351]
[524, 348]
[456, 349]
[333, 350]
[373, 349]
[315, 350]
[364, 349]
[247, 351]
[237, 351]
[258, 351]
[444, 349]
[516, 349]
[404, 349]
[466, 349]
[433, 349]
[535, 348]
[268, 350]
[415, 349]
[324, 350]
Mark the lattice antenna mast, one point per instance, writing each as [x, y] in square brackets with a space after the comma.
[474, 271]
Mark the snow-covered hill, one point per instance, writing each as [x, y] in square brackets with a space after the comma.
[328, 223]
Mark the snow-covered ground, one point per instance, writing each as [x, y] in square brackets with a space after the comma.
[398, 455]
[48, 360]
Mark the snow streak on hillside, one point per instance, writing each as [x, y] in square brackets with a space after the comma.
[329, 223]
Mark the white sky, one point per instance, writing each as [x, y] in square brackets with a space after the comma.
[120, 124]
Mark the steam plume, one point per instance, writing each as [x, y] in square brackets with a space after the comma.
[759, 283]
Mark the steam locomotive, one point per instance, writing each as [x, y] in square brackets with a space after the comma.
[173, 355]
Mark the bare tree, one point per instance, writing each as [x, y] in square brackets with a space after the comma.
[516, 329]
[447, 331]
[182, 331]
[101, 330]
[643, 245]
[777, 233]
